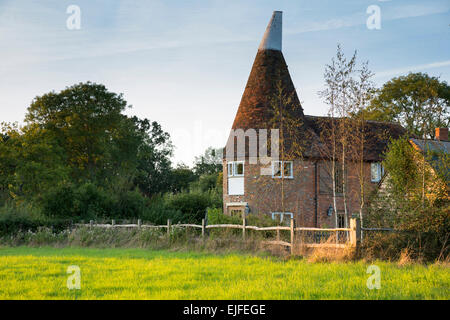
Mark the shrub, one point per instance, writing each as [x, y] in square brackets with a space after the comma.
[86, 201]
[216, 216]
[193, 205]
[60, 202]
[92, 201]
[23, 218]
[157, 212]
[205, 182]
[130, 204]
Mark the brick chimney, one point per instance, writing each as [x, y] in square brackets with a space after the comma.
[441, 134]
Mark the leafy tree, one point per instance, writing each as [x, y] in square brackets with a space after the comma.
[100, 143]
[414, 199]
[31, 161]
[208, 163]
[181, 177]
[153, 158]
[418, 102]
[85, 118]
[78, 147]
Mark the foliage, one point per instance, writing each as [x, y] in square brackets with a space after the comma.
[207, 182]
[180, 178]
[216, 216]
[414, 201]
[419, 102]
[193, 205]
[14, 219]
[158, 211]
[209, 163]
[80, 135]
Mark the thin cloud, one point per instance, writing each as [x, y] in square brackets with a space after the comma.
[420, 67]
[358, 19]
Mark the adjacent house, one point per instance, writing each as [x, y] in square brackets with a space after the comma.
[434, 156]
[297, 182]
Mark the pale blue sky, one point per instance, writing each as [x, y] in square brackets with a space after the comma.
[185, 63]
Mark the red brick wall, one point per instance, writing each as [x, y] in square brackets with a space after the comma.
[263, 193]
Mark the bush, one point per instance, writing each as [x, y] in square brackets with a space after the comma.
[157, 212]
[14, 219]
[130, 204]
[192, 205]
[92, 201]
[216, 216]
[89, 201]
[205, 182]
[59, 202]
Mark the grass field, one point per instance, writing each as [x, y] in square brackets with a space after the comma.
[40, 273]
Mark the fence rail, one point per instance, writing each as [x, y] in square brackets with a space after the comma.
[377, 229]
[352, 239]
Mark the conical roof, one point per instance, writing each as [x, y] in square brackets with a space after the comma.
[269, 79]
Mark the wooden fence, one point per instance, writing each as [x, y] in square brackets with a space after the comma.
[353, 232]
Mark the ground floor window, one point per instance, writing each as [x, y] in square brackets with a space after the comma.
[341, 220]
[236, 212]
[283, 217]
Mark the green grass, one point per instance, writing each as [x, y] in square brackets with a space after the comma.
[40, 273]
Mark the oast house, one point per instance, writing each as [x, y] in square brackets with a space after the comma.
[297, 181]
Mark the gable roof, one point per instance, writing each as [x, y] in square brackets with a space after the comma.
[377, 135]
[431, 145]
[435, 150]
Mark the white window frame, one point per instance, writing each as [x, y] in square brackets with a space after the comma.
[281, 216]
[230, 172]
[233, 171]
[380, 171]
[291, 176]
[235, 164]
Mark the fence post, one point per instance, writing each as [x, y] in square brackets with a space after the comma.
[203, 229]
[91, 223]
[139, 223]
[168, 228]
[292, 234]
[358, 232]
[113, 223]
[244, 224]
[354, 237]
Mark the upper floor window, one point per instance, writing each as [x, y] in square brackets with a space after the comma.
[326, 180]
[376, 171]
[235, 168]
[282, 169]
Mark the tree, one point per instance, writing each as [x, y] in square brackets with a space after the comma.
[362, 93]
[85, 118]
[208, 163]
[338, 94]
[413, 198]
[180, 178]
[80, 135]
[285, 108]
[31, 161]
[153, 157]
[418, 102]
